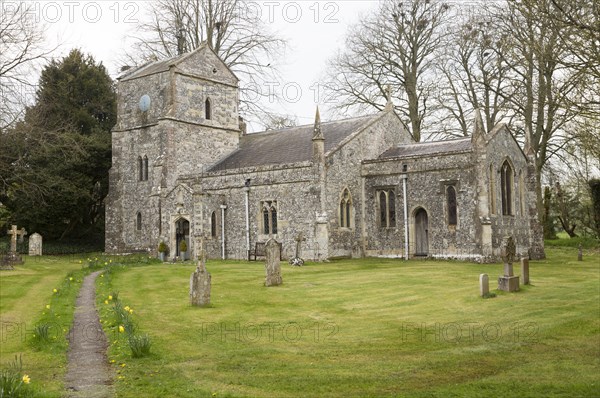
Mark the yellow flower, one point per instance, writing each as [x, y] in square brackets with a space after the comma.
[110, 297]
[55, 291]
[127, 308]
[26, 379]
[131, 310]
[79, 261]
[47, 306]
[112, 361]
[122, 365]
[105, 301]
[71, 278]
[102, 276]
[105, 263]
[121, 329]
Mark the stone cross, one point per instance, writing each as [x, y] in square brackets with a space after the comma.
[484, 285]
[13, 240]
[299, 239]
[508, 255]
[272, 265]
[525, 270]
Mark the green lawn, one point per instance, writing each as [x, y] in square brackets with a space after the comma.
[362, 328]
[350, 328]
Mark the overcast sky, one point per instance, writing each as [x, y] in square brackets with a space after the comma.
[315, 31]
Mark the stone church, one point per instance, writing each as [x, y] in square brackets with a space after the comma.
[184, 168]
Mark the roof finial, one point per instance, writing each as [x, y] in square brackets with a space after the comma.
[478, 129]
[388, 93]
[317, 133]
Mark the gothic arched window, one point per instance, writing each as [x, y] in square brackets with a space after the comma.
[269, 217]
[506, 186]
[383, 209]
[138, 221]
[207, 109]
[387, 208]
[492, 190]
[451, 204]
[145, 169]
[213, 224]
[140, 167]
[346, 209]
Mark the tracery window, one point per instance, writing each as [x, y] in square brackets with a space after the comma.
[269, 217]
[345, 216]
[506, 186]
[387, 208]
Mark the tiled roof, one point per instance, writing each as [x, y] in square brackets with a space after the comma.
[428, 148]
[289, 145]
[150, 68]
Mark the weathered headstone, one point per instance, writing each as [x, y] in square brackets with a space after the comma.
[298, 260]
[200, 282]
[580, 253]
[272, 265]
[525, 270]
[508, 282]
[484, 285]
[35, 245]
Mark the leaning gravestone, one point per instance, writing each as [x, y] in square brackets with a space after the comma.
[525, 270]
[509, 282]
[272, 265]
[484, 285]
[35, 245]
[200, 282]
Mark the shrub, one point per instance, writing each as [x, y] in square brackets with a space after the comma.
[162, 247]
[140, 345]
[183, 246]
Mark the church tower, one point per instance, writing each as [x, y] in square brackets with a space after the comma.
[176, 118]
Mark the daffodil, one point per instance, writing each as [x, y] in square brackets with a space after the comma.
[26, 379]
[110, 297]
[47, 306]
[71, 278]
[122, 365]
[121, 329]
[131, 310]
[102, 276]
[127, 308]
[105, 301]
[55, 291]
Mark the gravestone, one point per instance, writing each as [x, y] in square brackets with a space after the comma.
[525, 270]
[509, 282]
[580, 253]
[272, 265]
[298, 261]
[484, 285]
[13, 258]
[200, 281]
[35, 245]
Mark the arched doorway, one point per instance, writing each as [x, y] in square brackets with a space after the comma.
[421, 233]
[182, 232]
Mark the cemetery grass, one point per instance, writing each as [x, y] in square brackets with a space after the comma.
[355, 328]
[28, 304]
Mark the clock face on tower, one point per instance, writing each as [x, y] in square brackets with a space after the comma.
[144, 103]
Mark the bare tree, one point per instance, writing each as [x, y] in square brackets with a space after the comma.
[232, 28]
[538, 87]
[473, 74]
[21, 41]
[395, 46]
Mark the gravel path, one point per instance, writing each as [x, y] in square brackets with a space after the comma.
[89, 374]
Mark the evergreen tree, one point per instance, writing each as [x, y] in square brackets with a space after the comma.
[61, 152]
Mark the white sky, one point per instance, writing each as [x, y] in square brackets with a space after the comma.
[315, 31]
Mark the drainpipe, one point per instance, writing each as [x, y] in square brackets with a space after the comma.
[404, 178]
[247, 189]
[223, 207]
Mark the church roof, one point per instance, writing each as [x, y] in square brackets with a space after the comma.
[429, 148]
[289, 145]
[150, 68]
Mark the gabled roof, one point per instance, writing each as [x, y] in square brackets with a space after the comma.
[289, 145]
[164, 65]
[429, 148]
